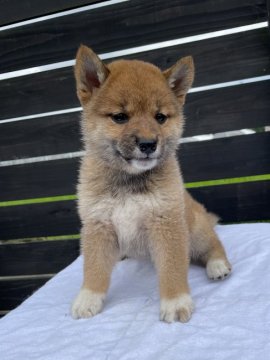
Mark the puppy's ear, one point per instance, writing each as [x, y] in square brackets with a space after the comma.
[180, 77]
[90, 73]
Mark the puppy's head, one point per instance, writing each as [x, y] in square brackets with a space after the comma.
[132, 111]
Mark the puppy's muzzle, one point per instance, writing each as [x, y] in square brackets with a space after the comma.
[146, 146]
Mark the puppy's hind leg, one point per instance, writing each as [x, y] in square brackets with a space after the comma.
[205, 244]
[217, 264]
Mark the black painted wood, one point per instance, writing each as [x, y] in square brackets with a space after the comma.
[12, 293]
[215, 159]
[122, 26]
[217, 60]
[49, 178]
[226, 157]
[45, 257]
[49, 219]
[236, 202]
[43, 136]
[16, 10]
[39, 93]
[226, 109]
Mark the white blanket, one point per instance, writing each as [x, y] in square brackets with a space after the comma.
[231, 320]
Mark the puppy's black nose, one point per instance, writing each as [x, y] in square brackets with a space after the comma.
[147, 146]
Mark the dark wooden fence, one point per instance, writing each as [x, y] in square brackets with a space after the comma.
[39, 227]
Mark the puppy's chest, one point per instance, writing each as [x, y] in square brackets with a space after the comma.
[129, 218]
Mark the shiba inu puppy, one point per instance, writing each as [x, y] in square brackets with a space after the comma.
[132, 200]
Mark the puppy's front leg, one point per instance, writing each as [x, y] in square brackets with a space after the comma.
[100, 251]
[169, 245]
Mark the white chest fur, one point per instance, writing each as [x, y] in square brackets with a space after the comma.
[128, 218]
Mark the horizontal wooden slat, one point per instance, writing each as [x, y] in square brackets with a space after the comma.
[12, 293]
[225, 109]
[122, 26]
[49, 178]
[48, 91]
[29, 9]
[217, 60]
[245, 106]
[234, 202]
[44, 257]
[231, 157]
[39, 220]
[44, 136]
[215, 159]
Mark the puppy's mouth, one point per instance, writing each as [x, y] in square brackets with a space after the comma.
[143, 160]
[118, 153]
[140, 163]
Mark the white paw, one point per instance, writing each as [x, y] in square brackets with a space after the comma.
[218, 269]
[87, 304]
[177, 309]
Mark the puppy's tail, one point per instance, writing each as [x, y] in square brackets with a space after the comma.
[213, 218]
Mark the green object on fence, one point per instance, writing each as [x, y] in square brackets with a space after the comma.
[37, 200]
[237, 180]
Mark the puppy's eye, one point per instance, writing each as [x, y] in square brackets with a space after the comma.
[119, 118]
[161, 118]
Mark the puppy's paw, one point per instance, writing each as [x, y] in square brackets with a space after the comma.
[177, 309]
[218, 269]
[87, 304]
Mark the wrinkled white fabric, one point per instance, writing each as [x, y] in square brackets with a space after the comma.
[231, 320]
